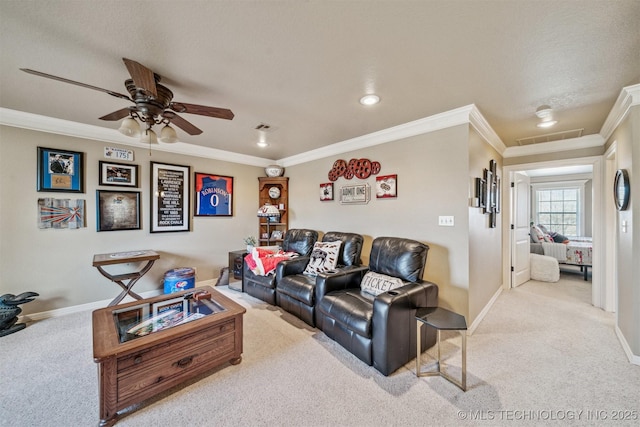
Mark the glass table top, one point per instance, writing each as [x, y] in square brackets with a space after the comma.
[146, 318]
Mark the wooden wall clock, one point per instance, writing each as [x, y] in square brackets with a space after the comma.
[621, 189]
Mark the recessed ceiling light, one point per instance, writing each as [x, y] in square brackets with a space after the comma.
[545, 114]
[262, 144]
[369, 100]
[547, 124]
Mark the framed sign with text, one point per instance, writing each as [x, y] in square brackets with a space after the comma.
[358, 194]
[170, 186]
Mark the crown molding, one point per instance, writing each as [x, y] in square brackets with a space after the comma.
[458, 116]
[485, 130]
[629, 96]
[36, 122]
[586, 141]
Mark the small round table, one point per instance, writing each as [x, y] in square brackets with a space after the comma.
[442, 320]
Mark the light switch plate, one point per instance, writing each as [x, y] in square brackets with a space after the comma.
[445, 221]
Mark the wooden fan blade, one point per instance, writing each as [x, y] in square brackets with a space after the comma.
[181, 123]
[219, 113]
[62, 79]
[117, 115]
[142, 76]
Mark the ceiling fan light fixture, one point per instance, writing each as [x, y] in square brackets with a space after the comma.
[149, 137]
[129, 127]
[369, 99]
[168, 135]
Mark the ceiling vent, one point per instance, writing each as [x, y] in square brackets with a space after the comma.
[549, 137]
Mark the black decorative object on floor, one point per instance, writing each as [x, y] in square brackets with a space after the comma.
[9, 311]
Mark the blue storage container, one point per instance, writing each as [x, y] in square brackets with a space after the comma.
[179, 279]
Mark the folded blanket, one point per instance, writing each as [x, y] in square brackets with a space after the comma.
[262, 262]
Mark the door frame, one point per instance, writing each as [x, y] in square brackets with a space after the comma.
[599, 293]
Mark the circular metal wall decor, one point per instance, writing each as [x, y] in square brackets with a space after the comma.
[621, 189]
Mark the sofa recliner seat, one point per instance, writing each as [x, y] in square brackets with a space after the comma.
[296, 292]
[379, 330]
[300, 241]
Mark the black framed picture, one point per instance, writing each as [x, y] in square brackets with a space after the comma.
[117, 210]
[60, 170]
[170, 186]
[118, 174]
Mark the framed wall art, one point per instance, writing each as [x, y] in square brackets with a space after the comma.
[117, 210]
[355, 194]
[118, 174]
[214, 195]
[326, 191]
[386, 186]
[170, 186]
[61, 213]
[60, 170]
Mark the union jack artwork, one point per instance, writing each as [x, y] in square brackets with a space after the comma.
[61, 213]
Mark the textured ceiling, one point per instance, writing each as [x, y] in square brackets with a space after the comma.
[301, 66]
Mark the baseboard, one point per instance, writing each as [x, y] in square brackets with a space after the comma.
[96, 304]
[471, 329]
[633, 358]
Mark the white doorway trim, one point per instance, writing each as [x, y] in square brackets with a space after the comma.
[599, 294]
[611, 236]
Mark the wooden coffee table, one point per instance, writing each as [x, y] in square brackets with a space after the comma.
[142, 348]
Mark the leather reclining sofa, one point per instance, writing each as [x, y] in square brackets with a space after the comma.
[379, 330]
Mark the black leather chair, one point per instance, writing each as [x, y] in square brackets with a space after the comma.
[380, 330]
[295, 292]
[300, 241]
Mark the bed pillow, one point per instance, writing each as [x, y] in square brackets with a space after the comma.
[537, 236]
[375, 283]
[324, 257]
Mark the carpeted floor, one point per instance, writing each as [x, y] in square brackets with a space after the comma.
[542, 355]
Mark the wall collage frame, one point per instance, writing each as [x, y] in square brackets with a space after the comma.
[63, 171]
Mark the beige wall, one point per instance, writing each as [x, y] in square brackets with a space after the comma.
[435, 171]
[627, 136]
[57, 263]
[485, 243]
[433, 179]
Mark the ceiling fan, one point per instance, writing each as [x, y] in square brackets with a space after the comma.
[152, 103]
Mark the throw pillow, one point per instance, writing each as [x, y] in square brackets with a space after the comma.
[376, 283]
[324, 257]
[537, 236]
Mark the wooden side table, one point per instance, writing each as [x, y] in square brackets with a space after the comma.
[236, 268]
[101, 260]
[442, 319]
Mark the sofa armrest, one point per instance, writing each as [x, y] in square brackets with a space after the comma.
[345, 278]
[394, 324]
[291, 266]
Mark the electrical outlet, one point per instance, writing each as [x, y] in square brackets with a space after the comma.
[445, 221]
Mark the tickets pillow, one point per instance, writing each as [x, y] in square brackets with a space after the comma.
[376, 283]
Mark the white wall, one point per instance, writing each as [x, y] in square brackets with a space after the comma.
[58, 263]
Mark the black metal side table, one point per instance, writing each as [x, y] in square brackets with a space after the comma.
[442, 320]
